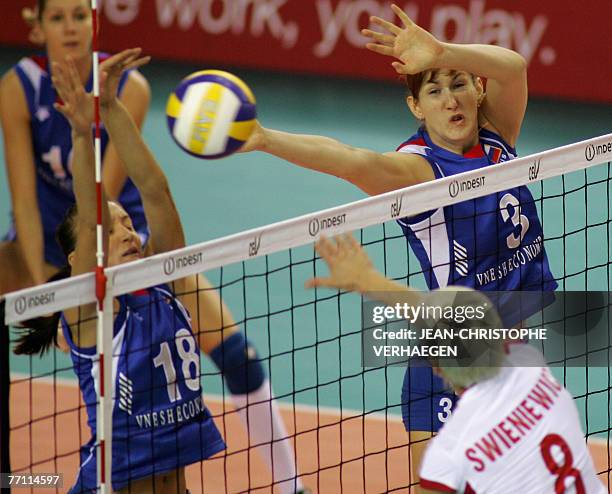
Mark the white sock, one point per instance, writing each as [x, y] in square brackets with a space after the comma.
[263, 418]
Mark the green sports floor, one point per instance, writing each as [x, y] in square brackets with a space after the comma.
[245, 191]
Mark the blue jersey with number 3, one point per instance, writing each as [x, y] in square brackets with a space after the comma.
[52, 150]
[160, 422]
[494, 242]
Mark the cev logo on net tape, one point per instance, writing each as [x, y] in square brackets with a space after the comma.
[396, 206]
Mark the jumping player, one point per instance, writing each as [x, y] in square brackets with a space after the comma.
[149, 325]
[515, 428]
[475, 243]
[242, 371]
[39, 161]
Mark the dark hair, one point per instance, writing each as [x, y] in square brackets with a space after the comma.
[41, 4]
[39, 333]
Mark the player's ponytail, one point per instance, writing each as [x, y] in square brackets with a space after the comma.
[41, 332]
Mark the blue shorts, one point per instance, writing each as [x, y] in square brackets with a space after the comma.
[427, 401]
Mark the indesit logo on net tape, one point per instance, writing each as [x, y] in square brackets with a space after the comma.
[591, 151]
[457, 186]
[173, 264]
[317, 225]
[23, 303]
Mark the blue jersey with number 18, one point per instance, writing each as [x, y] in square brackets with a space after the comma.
[160, 422]
[493, 242]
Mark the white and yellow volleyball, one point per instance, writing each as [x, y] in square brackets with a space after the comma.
[211, 114]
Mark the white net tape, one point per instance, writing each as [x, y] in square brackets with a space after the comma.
[162, 268]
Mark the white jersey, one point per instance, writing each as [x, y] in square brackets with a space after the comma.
[517, 432]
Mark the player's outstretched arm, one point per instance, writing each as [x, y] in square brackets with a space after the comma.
[417, 51]
[351, 269]
[77, 107]
[136, 96]
[372, 172]
[141, 166]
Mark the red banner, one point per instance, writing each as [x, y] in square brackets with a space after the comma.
[567, 44]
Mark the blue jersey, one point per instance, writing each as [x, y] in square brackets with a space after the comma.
[494, 242]
[160, 422]
[52, 148]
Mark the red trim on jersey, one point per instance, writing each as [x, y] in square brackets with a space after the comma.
[418, 141]
[41, 61]
[430, 484]
[469, 489]
[140, 293]
[475, 152]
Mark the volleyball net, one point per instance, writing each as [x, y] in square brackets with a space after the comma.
[343, 420]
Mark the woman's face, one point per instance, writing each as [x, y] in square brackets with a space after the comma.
[448, 103]
[124, 244]
[66, 27]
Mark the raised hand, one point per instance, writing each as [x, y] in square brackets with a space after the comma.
[349, 265]
[112, 68]
[76, 104]
[417, 49]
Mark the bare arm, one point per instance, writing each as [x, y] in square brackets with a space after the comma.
[212, 321]
[77, 107]
[506, 71]
[19, 157]
[140, 164]
[372, 172]
[136, 96]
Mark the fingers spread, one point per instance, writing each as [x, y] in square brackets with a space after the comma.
[389, 26]
[139, 62]
[319, 282]
[402, 15]
[325, 248]
[122, 57]
[381, 49]
[385, 39]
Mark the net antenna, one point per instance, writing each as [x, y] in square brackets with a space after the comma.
[104, 412]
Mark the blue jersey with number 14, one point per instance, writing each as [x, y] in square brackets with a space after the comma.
[52, 150]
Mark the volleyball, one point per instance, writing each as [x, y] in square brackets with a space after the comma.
[211, 114]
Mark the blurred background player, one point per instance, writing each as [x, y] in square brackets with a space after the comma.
[515, 428]
[38, 148]
[38, 145]
[463, 128]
